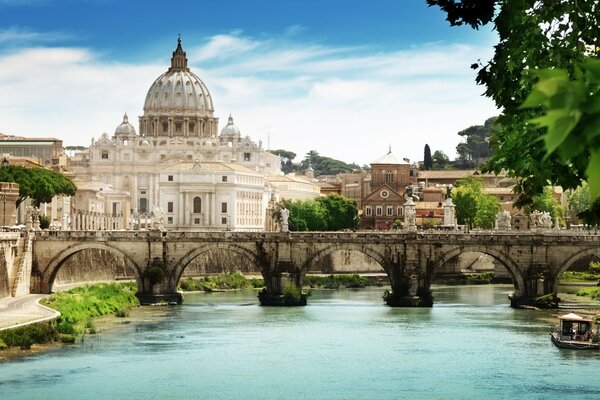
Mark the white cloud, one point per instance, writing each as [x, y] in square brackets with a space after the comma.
[19, 35]
[346, 103]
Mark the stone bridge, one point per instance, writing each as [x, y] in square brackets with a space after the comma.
[534, 260]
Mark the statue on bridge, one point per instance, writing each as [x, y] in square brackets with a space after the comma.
[503, 219]
[541, 220]
[285, 215]
[158, 219]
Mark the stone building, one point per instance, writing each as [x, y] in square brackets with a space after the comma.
[178, 126]
[390, 178]
[212, 196]
[99, 206]
[48, 151]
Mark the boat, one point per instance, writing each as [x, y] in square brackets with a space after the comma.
[575, 332]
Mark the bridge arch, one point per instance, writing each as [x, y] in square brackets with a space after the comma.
[49, 274]
[332, 248]
[509, 264]
[204, 248]
[590, 251]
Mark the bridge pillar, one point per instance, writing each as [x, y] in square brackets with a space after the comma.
[283, 286]
[539, 290]
[409, 289]
[158, 284]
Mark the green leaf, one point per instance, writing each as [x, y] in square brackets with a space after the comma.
[559, 123]
[593, 174]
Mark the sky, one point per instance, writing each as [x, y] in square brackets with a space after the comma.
[346, 78]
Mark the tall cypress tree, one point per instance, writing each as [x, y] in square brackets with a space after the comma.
[427, 160]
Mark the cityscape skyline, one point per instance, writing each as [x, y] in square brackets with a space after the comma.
[299, 76]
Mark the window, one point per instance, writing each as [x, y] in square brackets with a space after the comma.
[379, 211]
[197, 205]
[105, 154]
[368, 211]
[162, 156]
[390, 210]
[224, 220]
[224, 178]
[400, 211]
[246, 156]
[197, 221]
[170, 206]
[169, 220]
[389, 176]
[143, 206]
[170, 178]
[224, 208]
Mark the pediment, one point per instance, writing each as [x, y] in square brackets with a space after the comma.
[173, 159]
[392, 195]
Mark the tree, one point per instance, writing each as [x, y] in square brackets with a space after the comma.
[326, 165]
[532, 35]
[476, 145]
[39, 184]
[473, 206]
[286, 159]
[440, 160]
[329, 213]
[427, 160]
[546, 201]
[340, 212]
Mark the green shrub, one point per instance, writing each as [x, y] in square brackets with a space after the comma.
[3, 345]
[25, 336]
[65, 338]
[224, 281]
[593, 292]
[156, 275]
[342, 280]
[292, 294]
[546, 302]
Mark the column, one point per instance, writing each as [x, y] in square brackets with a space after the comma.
[205, 210]
[171, 130]
[186, 122]
[213, 205]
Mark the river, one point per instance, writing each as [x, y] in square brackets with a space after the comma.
[344, 345]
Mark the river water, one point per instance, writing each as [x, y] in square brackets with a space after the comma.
[344, 345]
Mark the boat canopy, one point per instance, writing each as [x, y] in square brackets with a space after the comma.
[574, 317]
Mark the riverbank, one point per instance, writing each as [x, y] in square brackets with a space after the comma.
[78, 308]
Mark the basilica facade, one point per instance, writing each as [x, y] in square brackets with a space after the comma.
[179, 164]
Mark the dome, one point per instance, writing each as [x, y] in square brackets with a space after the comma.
[230, 129]
[178, 90]
[125, 129]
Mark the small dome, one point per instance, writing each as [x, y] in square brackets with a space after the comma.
[125, 129]
[230, 130]
[145, 143]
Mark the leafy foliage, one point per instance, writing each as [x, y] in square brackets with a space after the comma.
[37, 183]
[536, 35]
[571, 115]
[329, 213]
[326, 165]
[476, 146]
[440, 160]
[473, 207]
[225, 281]
[78, 305]
[547, 202]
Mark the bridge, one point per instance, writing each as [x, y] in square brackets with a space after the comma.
[535, 260]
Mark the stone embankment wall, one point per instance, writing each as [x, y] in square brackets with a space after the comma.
[93, 265]
[11, 245]
[217, 262]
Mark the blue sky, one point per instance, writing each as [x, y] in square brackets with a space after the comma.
[345, 78]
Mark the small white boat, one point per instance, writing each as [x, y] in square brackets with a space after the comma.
[575, 332]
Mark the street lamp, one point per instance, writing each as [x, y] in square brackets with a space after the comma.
[5, 162]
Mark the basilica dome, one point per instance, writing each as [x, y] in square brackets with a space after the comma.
[125, 129]
[178, 90]
[230, 130]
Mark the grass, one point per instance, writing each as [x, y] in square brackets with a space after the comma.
[78, 306]
[337, 281]
[225, 281]
[576, 276]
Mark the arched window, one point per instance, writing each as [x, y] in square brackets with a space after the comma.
[197, 205]
[389, 176]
